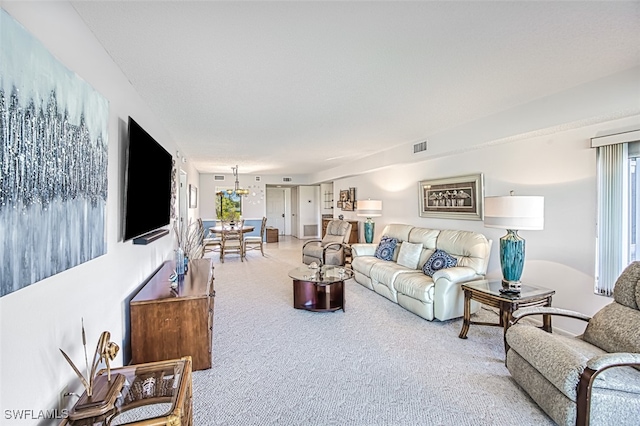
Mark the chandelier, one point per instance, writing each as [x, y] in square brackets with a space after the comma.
[236, 191]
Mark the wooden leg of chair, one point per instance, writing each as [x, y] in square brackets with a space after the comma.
[583, 400]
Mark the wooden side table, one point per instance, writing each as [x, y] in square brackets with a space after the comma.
[272, 234]
[488, 292]
[163, 382]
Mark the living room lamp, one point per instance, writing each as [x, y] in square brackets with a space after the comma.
[513, 213]
[369, 208]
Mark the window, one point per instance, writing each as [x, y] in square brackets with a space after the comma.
[229, 204]
[618, 207]
[634, 200]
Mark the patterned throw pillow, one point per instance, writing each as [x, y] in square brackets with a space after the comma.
[386, 247]
[439, 260]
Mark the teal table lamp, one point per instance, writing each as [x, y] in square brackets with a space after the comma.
[513, 213]
[369, 208]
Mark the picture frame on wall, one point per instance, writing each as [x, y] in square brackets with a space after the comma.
[193, 197]
[458, 197]
[347, 201]
[350, 204]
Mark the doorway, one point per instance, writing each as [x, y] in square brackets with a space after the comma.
[278, 202]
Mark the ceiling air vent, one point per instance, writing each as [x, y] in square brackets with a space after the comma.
[258, 178]
[287, 179]
[218, 177]
[419, 147]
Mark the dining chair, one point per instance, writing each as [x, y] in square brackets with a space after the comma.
[232, 240]
[210, 242]
[255, 242]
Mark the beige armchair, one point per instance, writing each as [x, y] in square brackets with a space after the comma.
[329, 250]
[589, 379]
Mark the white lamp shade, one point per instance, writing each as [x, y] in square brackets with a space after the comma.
[369, 208]
[514, 212]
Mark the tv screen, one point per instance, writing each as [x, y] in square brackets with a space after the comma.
[147, 183]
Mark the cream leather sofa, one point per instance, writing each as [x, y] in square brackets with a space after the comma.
[439, 297]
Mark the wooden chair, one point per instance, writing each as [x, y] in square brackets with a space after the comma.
[210, 242]
[232, 240]
[254, 242]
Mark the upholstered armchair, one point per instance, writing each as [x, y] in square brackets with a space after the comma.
[589, 379]
[329, 250]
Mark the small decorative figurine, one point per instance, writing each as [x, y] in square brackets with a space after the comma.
[105, 351]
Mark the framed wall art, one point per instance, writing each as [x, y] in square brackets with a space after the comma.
[347, 200]
[53, 157]
[459, 197]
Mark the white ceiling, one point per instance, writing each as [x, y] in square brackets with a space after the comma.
[300, 87]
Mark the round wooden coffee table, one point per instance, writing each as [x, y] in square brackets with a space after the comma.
[319, 289]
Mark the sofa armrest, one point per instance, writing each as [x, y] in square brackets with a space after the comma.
[604, 361]
[525, 312]
[333, 246]
[594, 367]
[363, 249]
[448, 297]
[456, 274]
[309, 242]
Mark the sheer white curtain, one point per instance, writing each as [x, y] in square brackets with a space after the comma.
[612, 243]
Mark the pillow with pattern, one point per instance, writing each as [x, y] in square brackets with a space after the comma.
[439, 260]
[386, 247]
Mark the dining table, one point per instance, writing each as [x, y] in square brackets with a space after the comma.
[219, 230]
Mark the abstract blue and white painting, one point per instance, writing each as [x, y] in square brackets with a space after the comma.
[53, 163]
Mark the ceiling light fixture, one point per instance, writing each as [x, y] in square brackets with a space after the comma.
[236, 191]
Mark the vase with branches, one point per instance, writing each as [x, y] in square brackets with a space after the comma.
[190, 238]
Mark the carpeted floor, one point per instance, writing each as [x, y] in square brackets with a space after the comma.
[374, 364]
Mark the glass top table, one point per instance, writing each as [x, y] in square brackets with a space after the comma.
[494, 287]
[319, 289]
[156, 393]
[323, 275]
[487, 292]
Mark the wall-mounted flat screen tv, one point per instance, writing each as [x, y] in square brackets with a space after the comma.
[147, 184]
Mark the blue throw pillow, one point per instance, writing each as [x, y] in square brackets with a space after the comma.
[386, 247]
[439, 260]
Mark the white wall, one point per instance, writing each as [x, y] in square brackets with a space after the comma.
[309, 213]
[253, 206]
[327, 205]
[39, 319]
[559, 166]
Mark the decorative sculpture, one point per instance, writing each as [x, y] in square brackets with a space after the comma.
[105, 351]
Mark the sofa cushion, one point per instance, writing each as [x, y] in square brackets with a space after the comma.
[470, 248]
[439, 260]
[409, 254]
[332, 239]
[614, 328]
[417, 286]
[627, 290]
[386, 247]
[363, 264]
[385, 273]
[338, 227]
